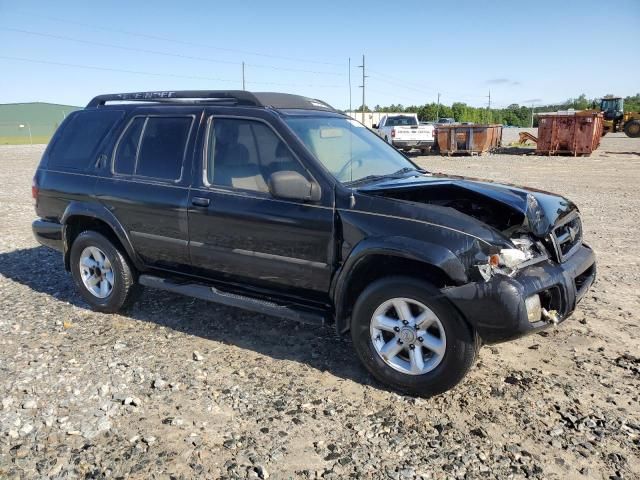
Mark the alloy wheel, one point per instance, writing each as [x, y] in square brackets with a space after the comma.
[96, 271]
[408, 336]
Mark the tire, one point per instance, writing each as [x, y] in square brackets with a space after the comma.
[89, 246]
[460, 348]
[632, 129]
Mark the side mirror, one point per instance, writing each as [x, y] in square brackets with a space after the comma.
[375, 126]
[293, 186]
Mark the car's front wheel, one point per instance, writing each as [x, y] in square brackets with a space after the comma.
[408, 337]
[101, 272]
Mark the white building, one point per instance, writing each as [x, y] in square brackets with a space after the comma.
[370, 118]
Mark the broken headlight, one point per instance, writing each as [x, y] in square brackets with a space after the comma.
[507, 261]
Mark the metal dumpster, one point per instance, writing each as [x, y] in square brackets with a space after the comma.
[469, 139]
[576, 133]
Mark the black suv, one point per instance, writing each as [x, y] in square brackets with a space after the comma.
[280, 204]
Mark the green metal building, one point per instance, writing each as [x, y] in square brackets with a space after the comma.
[35, 122]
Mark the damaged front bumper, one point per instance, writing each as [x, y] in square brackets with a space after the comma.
[496, 308]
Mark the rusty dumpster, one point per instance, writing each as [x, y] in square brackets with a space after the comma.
[576, 133]
[468, 139]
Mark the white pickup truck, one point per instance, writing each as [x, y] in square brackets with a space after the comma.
[405, 132]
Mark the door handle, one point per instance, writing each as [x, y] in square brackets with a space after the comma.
[200, 201]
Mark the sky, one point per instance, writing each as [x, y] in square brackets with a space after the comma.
[536, 53]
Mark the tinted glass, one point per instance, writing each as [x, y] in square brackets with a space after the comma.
[162, 150]
[125, 160]
[243, 154]
[77, 143]
[348, 149]
[401, 121]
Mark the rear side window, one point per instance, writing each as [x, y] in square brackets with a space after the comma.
[162, 148]
[77, 144]
[153, 147]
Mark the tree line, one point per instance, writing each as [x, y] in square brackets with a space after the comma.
[515, 115]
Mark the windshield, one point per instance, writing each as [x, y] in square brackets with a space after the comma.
[611, 104]
[401, 121]
[348, 149]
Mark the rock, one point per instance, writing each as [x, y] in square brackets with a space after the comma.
[6, 403]
[159, 384]
[30, 404]
[134, 401]
[261, 471]
[173, 421]
[197, 356]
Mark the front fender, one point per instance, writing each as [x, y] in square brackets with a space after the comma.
[407, 248]
[97, 212]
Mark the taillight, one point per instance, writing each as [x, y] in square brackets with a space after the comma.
[34, 190]
[393, 132]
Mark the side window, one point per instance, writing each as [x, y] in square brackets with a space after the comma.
[162, 147]
[243, 154]
[127, 149]
[78, 141]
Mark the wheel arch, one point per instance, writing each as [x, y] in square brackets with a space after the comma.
[80, 216]
[373, 259]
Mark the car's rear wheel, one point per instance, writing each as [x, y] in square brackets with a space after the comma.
[408, 337]
[102, 273]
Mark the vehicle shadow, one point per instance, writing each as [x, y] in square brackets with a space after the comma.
[515, 150]
[41, 270]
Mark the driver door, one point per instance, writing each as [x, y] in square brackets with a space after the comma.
[238, 230]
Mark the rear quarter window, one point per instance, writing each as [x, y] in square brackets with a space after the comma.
[77, 143]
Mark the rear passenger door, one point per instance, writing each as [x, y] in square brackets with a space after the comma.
[238, 230]
[147, 188]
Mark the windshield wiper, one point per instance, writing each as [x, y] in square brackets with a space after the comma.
[369, 178]
[404, 170]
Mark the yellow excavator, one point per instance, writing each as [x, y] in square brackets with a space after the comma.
[616, 120]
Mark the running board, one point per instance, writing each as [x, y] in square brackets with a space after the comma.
[212, 294]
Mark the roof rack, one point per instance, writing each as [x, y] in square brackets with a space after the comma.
[239, 97]
[236, 97]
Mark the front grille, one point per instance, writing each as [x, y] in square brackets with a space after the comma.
[567, 237]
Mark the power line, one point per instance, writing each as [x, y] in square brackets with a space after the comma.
[160, 52]
[154, 74]
[173, 40]
[425, 91]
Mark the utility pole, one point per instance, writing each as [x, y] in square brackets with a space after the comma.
[243, 87]
[532, 115]
[489, 109]
[438, 108]
[350, 84]
[363, 87]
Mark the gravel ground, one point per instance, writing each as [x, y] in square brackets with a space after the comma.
[180, 388]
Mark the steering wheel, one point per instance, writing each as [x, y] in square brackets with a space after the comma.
[352, 160]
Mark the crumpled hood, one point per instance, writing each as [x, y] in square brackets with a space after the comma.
[538, 210]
